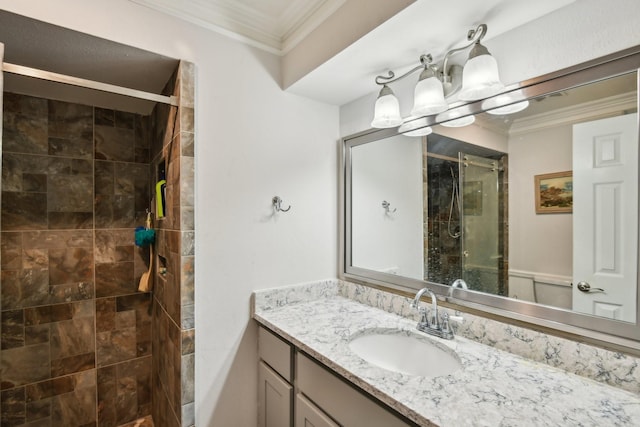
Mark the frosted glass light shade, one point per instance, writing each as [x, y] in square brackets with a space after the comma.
[506, 103]
[428, 98]
[480, 78]
[415, 127]
[509, 109]
[453, 119]
[387, 110]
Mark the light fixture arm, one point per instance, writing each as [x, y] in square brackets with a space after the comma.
[425, 62]
[473, 36]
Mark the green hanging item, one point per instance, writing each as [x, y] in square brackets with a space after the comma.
[145, 236]
[160, 197]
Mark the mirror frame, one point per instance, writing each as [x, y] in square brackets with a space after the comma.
[610, 333]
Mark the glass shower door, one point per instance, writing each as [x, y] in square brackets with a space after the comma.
[481, 248]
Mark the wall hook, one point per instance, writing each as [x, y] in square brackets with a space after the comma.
[277, 204]
[387, 207]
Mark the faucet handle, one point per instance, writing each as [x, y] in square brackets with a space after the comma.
[424, 317]
[446, 327]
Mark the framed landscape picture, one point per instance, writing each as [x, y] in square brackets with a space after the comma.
[554, 192]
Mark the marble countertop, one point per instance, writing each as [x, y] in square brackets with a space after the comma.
[494, 387]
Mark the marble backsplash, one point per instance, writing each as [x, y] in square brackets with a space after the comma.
[610, 367]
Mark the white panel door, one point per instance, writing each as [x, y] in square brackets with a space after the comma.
[605, 217]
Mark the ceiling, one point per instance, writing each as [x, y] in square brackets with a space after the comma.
[277, 26]
[422, 27]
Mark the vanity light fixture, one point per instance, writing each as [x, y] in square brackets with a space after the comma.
[506, 103]
[478, 79]
[414, 126]
[453, 119]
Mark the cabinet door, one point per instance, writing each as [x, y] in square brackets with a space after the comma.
[308, 415]
[274, 399]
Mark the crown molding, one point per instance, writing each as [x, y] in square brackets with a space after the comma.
[591, 110]
[274, 29]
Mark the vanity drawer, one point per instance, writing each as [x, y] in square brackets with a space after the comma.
[342, 401]
[275, 352]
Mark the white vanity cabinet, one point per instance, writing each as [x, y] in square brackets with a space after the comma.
[275, 392]
[322, 399]
[343, 402]
[309, 415]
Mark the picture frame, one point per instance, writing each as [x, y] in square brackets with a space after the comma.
[554, 192]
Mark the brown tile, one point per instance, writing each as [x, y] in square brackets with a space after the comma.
[46, 389]
[67, 220]
[82, 167]
[24, 211]
[71, 292]
[38, 334]
[187, 83]
[124, 120]
[67, 120]
[39, 410]
[114, 245]
[114, 144]
[35, 258]
[25, 133]
[24, 365]
[72, 337]
[186, 119]
[187, 144]
[187, 281]
[13, 334]
[73, 364]
[107, 396]
[48, 314]
[24, 288]
[13, 407]
[58, 239]
[104, 117]
[125, 319]
[71, 265]
[11, 251]
[187, 376]
[77, 408]
[34, 182]
[115, 279]
[116, 346]
[188, 319]
[105, 314]
[58, 166]
[141, 422]
[104, 177]
[70, 147]
[188, 341]
[70, 193]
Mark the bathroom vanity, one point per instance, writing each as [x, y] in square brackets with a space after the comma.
[305, 337]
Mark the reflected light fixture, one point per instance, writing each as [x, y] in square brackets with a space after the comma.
[453, 119]
[506, 103]
[414, 126]
[478, 79]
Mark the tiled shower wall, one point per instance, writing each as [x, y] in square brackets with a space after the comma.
[76, 334]
[173, 295]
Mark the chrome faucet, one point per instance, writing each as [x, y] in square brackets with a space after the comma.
[434, 324]
[458, 283]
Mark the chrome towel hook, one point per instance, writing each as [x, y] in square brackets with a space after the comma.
[277, 204]
[387, 207]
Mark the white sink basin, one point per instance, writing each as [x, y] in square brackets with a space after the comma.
[405, 352]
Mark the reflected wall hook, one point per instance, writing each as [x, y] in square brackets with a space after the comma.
[277, 204]
[387, 207]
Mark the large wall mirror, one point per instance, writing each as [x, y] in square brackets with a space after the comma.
[532, 200]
